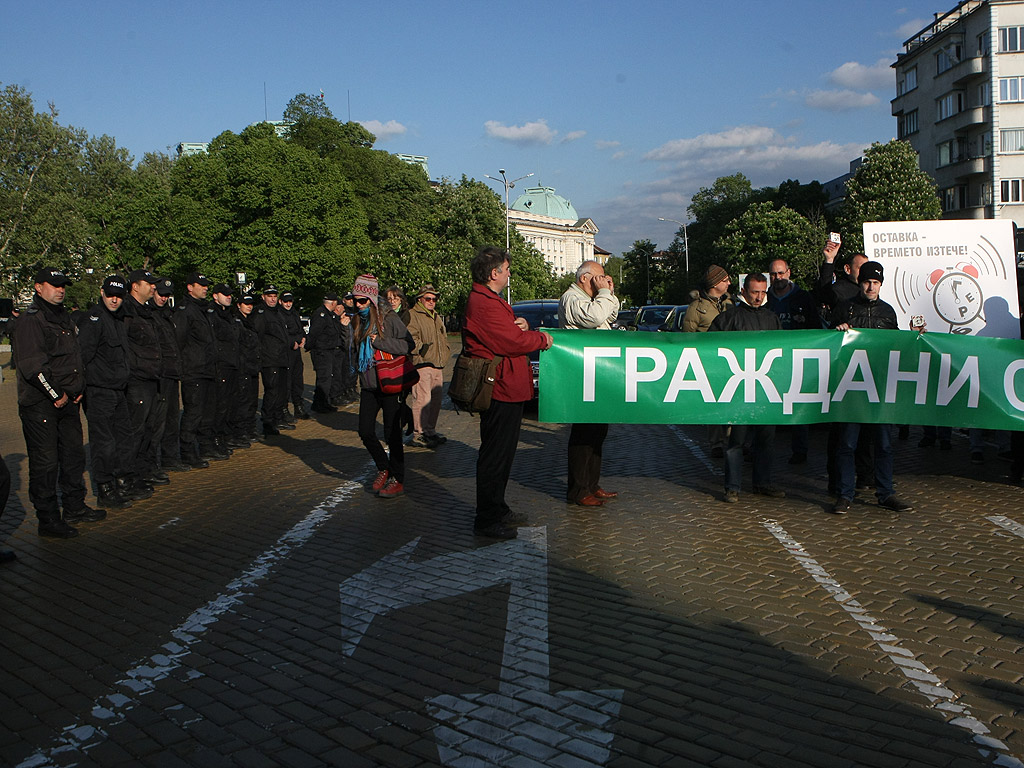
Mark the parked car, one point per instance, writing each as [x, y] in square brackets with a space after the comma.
[650, 317]
[539, 313]
[674, 321]
[623, 319]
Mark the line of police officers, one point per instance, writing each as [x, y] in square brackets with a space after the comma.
[127, 359]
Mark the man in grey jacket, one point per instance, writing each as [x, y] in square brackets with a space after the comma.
[590, 303]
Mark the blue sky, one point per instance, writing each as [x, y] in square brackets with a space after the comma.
[626, 109]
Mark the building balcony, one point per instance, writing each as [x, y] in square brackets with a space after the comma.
[968, 69]
[969, 167]
[969, 118]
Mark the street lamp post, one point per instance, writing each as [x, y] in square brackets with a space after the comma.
[508, 185]
[686, 247]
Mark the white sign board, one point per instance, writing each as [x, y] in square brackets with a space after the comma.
[960, 275]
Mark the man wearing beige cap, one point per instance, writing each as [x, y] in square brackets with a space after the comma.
[430, 355]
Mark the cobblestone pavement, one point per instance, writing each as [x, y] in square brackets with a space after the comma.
[270, 611]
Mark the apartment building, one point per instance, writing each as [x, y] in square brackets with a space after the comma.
[960, 103]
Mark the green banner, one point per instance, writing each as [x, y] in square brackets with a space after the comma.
[783, 377]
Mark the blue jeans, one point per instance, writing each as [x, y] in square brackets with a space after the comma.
[883, 460]
[762, 448]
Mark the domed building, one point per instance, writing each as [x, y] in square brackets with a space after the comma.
[550, 223]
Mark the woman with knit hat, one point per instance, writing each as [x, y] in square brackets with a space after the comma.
[376, 328]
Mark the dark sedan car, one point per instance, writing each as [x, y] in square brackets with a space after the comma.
[674, 320]
[539, 313]
[650, 317]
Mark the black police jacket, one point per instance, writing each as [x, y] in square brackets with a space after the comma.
[275, 343]
[324, 331]
[248, 346]
[293, 323]
[227, 330]
[46, 354]
[103, 339]
[860, 312]
[744, 317]
[144, 353]
[193, 328]
[170, 364]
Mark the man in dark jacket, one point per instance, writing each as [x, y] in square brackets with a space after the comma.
[297, 337]
[751, 313]
[148, 410]
[51, 383]
[323, 343]
[193, 327]
[837, 277]
[866, 310]
[165, 438]
[103, 339]
[227, 331]
[242, 423]
[275, 346]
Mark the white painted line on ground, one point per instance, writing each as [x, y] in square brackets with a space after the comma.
[696, 450]
[918, 675]
[1004, 522]
[111, 709]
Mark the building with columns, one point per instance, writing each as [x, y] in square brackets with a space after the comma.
[550, 223]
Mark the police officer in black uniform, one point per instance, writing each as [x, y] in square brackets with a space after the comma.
[103, 339]
[242, 423]
[297, 335]
[164, 446]
[146, 406]
[323, 343]
[274, 347]
[193, 328]
[51, 382]
[344, 381]
[227, 330]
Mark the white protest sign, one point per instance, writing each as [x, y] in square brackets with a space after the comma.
[960, 275]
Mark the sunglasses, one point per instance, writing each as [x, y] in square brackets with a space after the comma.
[429, 298]
[361, 300]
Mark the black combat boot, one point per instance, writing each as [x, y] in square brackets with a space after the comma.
[109, 496]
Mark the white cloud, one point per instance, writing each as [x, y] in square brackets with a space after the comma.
[383, 131]
[536, 132]
[734, 138]
[601, 144]
[620, 155]
[912, 27]
[840, 101]
[861, 77]
[573, 136]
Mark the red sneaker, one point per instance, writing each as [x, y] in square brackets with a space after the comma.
[391, 489]
[381, 480]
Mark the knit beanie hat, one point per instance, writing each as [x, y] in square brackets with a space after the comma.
[714, 276]
[366, 285]
[870, 270]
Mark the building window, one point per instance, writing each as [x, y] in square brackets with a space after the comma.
[984, 145]
[950, 104]
[908, 124]
[1011, 140]
[954, 198]
[952, 151]
[1010, 39]
[908, 83]
[1010, 89]
[983, 46]
[947, 58]
[1009, 190]
[982, 96]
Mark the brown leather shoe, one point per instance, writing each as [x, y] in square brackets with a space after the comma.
[601, 493]
[590, 501]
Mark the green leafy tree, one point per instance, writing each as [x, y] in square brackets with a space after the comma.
[303, 106]
[643, 278]
[763, 233]
[888, 186]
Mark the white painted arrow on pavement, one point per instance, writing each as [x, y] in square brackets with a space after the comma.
[481, 729]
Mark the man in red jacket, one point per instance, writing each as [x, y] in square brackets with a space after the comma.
[490, 330]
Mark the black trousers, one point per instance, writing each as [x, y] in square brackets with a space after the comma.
[56, 457]
[275, 394]
[5, 485]
[296, 382]
[585, 445]
[168, 437]
[242, 421]
[323, 364]
[372, 402]
[499, 438]
[147, 409]
[198, 410]
[110, 433]
[344, 378]
[864, 458]
[226, 395]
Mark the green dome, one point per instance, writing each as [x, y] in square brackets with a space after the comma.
[544, 201]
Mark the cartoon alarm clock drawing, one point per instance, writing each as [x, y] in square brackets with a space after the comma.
[957, 296]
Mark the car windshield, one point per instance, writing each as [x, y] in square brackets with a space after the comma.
[538, 317]
[652, 315]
